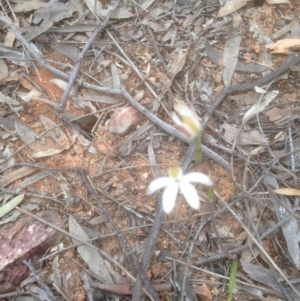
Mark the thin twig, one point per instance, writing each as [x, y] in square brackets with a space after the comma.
[87, 285]
[61, 292]
[149, 249]
[66, 120]
[86, 243]
[86, 47]
[31, 195]
[157, 52]
[120, 234]
[243, 88]
[240, 249]
[138, 72]
[162, 61]
[215, 275]
[191, 248]
[186, 268]
[248, 86]
[39, 280]
[258, 245]
[13, 294]
[151, 241]
[153, 118]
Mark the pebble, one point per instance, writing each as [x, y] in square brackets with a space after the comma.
[123, 120]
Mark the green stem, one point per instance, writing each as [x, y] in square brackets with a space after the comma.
[231, 283]
[197, 141]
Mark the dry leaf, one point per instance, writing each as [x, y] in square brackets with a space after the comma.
[284, 46]
[290, 229]
[11, 205]
[259, 33]
[55, 132]
[35, 31]
[115, 77]
[16, 174]
[147, 4]
[203, 292]
[272, 2]
[217, 58]
[231, 52]
[177, 61]
[288, 191]
[3, 69]
[62, 85]
[231, 7]
[95, 7]
[70, 51]
[260, 106]
[244, 138]
[8, 100]
[91, 256]
[54, 11]
[29, 6]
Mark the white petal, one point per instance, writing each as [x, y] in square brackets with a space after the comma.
[190, 194]
[198, 177]
[176, 119]
[182, 127]
[169, 197]
[158, 184]
[183, 110]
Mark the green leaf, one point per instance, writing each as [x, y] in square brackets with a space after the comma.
[9, 206]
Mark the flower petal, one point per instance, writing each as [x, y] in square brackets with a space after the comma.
[169, 197]
[193, 124]
[198, 177]
[182, 127]
[190, 194]
[159, 183]
[184, 110]
[176, 119]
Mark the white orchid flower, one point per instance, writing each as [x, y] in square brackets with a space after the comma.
[178, 182]
[189, 123]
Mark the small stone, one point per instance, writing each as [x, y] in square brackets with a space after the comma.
[123, 120]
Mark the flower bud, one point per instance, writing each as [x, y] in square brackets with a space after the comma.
[189, 123]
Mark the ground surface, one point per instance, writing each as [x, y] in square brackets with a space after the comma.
[121, 166]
